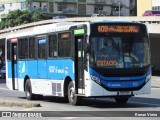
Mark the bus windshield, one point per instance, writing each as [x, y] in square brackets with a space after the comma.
[129, 50]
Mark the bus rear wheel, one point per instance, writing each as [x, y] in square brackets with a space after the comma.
[28, 91]
[72, 98]
[121, 100]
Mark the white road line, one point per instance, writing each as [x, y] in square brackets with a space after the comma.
[69, 118]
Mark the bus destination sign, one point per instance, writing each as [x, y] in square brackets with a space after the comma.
[118, 28]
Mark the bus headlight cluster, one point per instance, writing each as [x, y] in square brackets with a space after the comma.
[148, 78]
[96, 79]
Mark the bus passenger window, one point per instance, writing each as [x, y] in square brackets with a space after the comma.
[64, 45]
[52, 46]
[32, 48]
[23, 48]
[8, 50]
[42, 48]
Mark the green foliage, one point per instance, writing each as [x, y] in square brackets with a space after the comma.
[37, 16]
[2, 25]
[19, 17]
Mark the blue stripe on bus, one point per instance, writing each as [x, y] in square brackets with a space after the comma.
[9, 69]
[121, 82]
[126, 84]
[92, 72]
[44, 69]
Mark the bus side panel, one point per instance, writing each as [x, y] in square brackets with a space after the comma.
[60, 69]
[9, 76]
[9, 70]
[42, 69]
[26, 68]
[32, 69]
[57, 71]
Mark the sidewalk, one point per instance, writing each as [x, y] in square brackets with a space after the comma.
[155, 82]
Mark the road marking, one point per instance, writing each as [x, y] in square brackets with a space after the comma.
[69, 118]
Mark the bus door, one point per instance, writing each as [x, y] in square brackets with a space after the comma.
[14, 69]
[79, 63]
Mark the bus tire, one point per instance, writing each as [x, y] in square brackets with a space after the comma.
[28, 90]
[120, 100]
[72, 98]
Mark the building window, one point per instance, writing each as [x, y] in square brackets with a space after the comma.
[61, 7]
[39, 6]
[51, 7]
[155, 8]
[2, 7]
[35, 6]
[44, 7]
[98, 8]
[23, 6]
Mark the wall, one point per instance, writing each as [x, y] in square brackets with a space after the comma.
[10, 6]
[143, 5]
[155, 55]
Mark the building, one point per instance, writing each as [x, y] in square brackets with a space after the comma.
[143, 5]
[71, 7]
[124, 7]
[155, 4]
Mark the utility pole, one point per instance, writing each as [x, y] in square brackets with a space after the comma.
[119, 8]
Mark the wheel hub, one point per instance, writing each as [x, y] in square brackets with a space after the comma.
[72, 93]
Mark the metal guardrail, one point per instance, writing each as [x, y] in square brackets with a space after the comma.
[146, 20]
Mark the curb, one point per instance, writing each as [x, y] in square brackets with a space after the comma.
[155, 87]
[25, 105]
[15, 103]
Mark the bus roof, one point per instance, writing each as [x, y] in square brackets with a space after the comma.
[57, 27]
[113, 21]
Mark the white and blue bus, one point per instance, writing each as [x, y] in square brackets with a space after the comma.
[77, 60]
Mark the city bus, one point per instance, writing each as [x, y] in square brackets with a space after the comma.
[77, 60]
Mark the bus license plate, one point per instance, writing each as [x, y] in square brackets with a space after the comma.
[125, 93]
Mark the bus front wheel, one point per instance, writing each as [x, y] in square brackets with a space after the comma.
[121, 100]
[72, 98]
[28, 91]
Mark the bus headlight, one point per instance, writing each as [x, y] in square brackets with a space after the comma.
[148, 78]
[96, 79]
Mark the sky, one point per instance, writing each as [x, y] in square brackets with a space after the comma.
[155, 2]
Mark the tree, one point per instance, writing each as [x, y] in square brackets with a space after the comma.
[37, 16]
[2, 25]
[19, 17]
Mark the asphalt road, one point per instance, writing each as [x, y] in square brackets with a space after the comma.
[98, 107]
